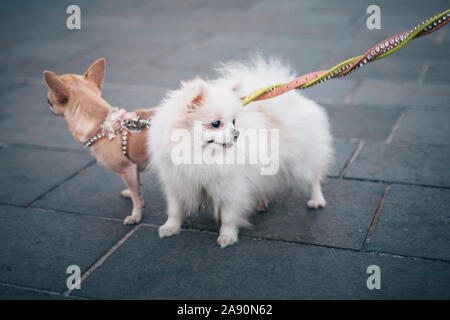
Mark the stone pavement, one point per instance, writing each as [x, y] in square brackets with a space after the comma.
[388, 193]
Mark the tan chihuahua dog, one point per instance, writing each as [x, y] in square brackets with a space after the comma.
[95, 123]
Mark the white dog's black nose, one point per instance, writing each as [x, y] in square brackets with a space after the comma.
[235, 134]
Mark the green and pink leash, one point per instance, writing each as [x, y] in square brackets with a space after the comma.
[379, 51]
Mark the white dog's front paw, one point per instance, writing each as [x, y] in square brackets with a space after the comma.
[225, 240]
[316, 204]
[168, 230]
[131, 220]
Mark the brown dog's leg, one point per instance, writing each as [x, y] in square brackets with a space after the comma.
[131, 178]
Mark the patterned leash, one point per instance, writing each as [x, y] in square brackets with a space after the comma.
[379, 51]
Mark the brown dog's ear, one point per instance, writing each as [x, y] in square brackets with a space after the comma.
[96, 72]
[59, 89]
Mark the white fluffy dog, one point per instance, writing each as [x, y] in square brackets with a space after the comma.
[204, 122]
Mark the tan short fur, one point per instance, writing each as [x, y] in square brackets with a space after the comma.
[78, 99]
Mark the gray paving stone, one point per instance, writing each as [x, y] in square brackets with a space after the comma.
[154, 75]
[343, 150]
[424, 126]
[23, 99]
[361, 122]
[206, 55]
[337, 91]
[6, 86]
[384, 92]
[407, 163]
[415, 221]
[26, 118]
[49, 45]
[131, 99]
[192, 266]
[438, 71]
[44, 130]
[304, 54]
[96, 191]
[395, 67]
[38, 246]
[15, 293]
[32, 57]
[298, 18]
[28, 173]
[342, 223]
[132, 61]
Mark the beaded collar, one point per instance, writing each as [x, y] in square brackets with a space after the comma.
[119, 122]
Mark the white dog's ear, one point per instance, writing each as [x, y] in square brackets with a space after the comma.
[96, 72]
[194, 91]
[237, 88]
[59, 89]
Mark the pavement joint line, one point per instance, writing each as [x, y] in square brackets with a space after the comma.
[395, 127]
[102, 259]
[354, 18]
[292, 242]
[352, 159]
[15, 286]
[398, 255]
[90, 163]
[13, 205]
[152, 225]
[56, 211]
[215, 233]
[440, 37]
[349, 97]
[34, 146]
[376, 217]
[52, 210]
[413, 143]
[423, 71]
[397, 182]
[372, 252]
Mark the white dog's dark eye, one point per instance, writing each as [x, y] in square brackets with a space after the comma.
[234, 122]
[215, 124]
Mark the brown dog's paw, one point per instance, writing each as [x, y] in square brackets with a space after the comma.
[131, 220]
[126, 193]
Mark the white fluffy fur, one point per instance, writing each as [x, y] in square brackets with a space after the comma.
[233, 191]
